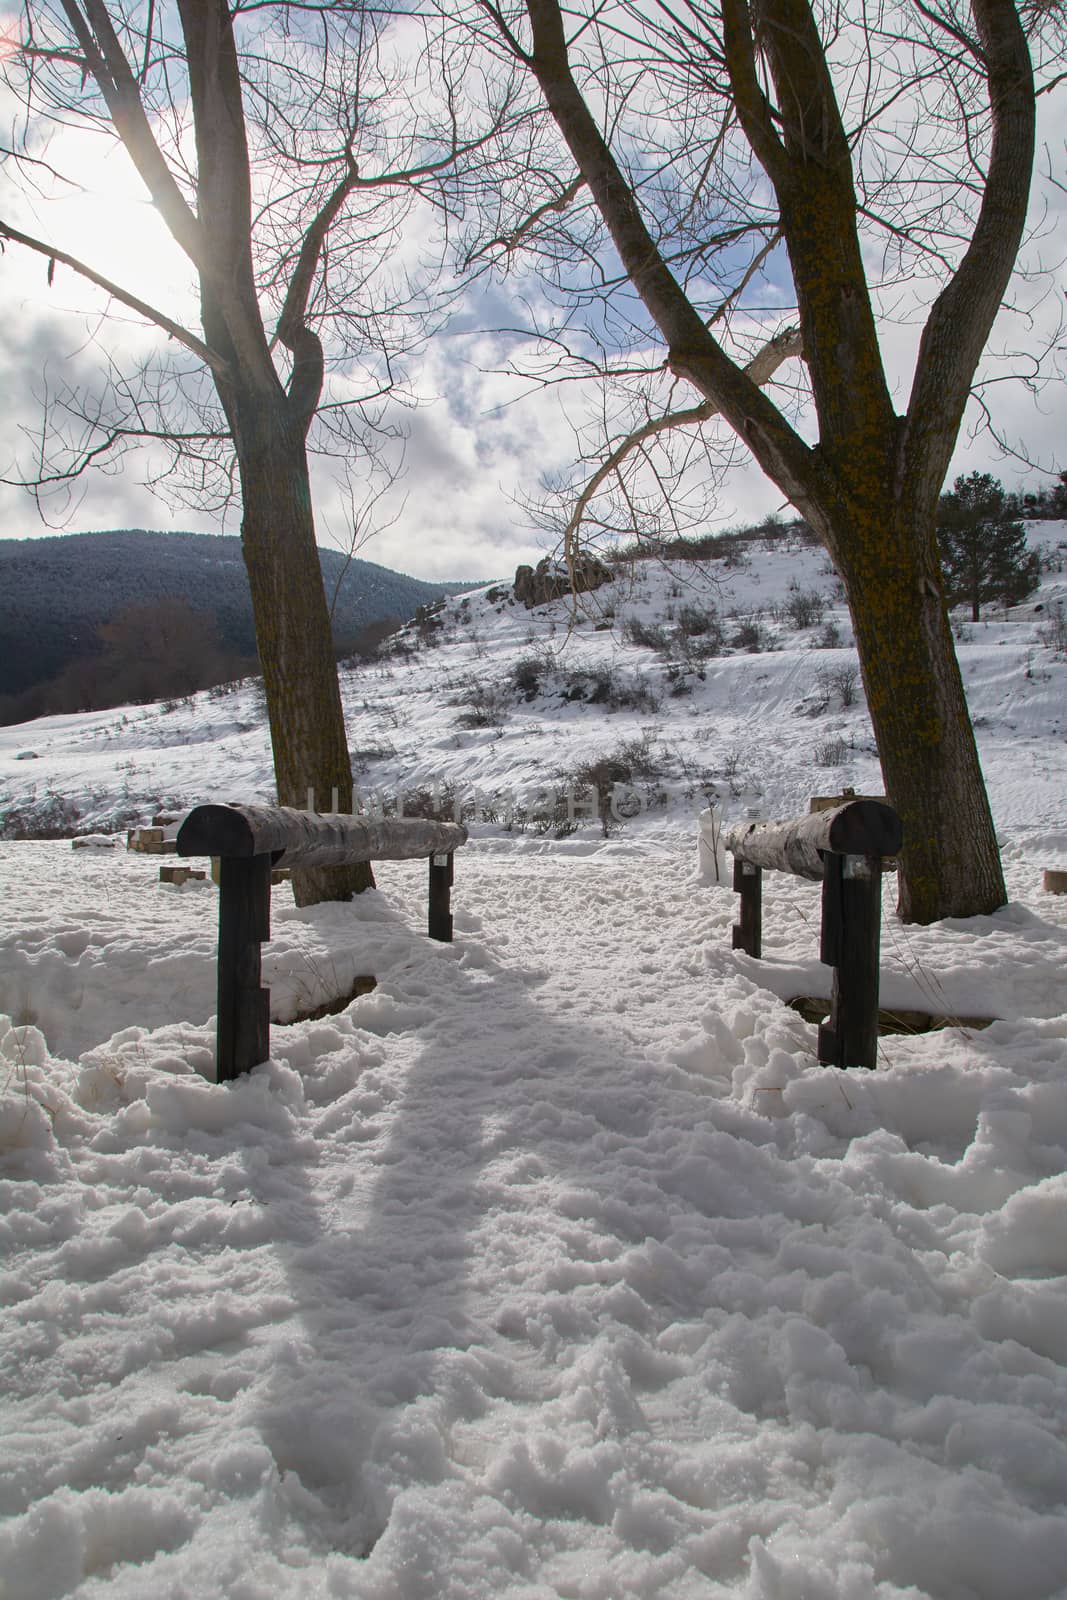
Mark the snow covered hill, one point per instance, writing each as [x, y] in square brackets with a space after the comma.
[58, 590]
[554, 1266]
[696, 672]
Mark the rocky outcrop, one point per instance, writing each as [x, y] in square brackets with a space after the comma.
[551, 579]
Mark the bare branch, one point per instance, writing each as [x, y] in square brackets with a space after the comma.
[760, 370]
[962, 315]
[510, 242]
[150, 313]
[694, 353]
[363, 518]
[753, 107]
[118, 85]
[305, 384]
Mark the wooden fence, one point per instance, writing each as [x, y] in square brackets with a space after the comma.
[250, 842]
[844, 849]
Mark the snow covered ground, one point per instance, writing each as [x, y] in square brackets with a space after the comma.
[554, 1266]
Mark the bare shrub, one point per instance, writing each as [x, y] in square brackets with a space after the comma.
[845, 682]
[528, 674]
[637, 756]
[831, 753]
[842, 682]
[428, 623]
[652, 635]
[737, 777]
[804, 608]
[442, 803]
[698, 620]
[363, 755]
[486, 703]
[603, 686]
[749, 637]
[53, 816]
[612, 789]
[636, 694]
[700, 634]
[734, 555]
[1053, 631]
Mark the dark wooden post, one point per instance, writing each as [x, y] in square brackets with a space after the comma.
[442, 872]
[748, 883]
[851, 930]
[243, 1029]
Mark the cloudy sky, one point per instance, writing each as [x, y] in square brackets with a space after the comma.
[479, 439]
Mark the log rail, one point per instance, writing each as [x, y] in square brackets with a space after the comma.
[250, 842]
[844, 849]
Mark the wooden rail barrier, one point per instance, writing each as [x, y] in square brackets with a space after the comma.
[252, 840]
[844, 850]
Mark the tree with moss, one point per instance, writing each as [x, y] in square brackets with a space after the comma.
[286, 148]
[737, 163]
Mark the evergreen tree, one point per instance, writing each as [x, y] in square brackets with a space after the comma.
[983, 550]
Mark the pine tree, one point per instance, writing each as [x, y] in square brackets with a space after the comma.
[983, 549]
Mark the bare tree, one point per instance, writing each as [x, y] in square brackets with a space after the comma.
[890, 149]
[269, 139]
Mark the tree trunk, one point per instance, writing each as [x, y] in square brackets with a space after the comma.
[870, 485]
[293, 635]
[951, 866]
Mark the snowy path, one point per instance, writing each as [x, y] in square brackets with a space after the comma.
[554, 1267]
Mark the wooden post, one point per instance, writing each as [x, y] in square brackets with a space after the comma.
[442, 872]
[243, 1028]
[748, 883]
[851, 930]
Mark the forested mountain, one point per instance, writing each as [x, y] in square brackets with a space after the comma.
[58, 591]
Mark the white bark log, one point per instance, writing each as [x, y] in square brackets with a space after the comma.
[858, 828]
[306, 839]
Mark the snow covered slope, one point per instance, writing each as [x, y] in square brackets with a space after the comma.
[494, 700]
[554, 1266]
